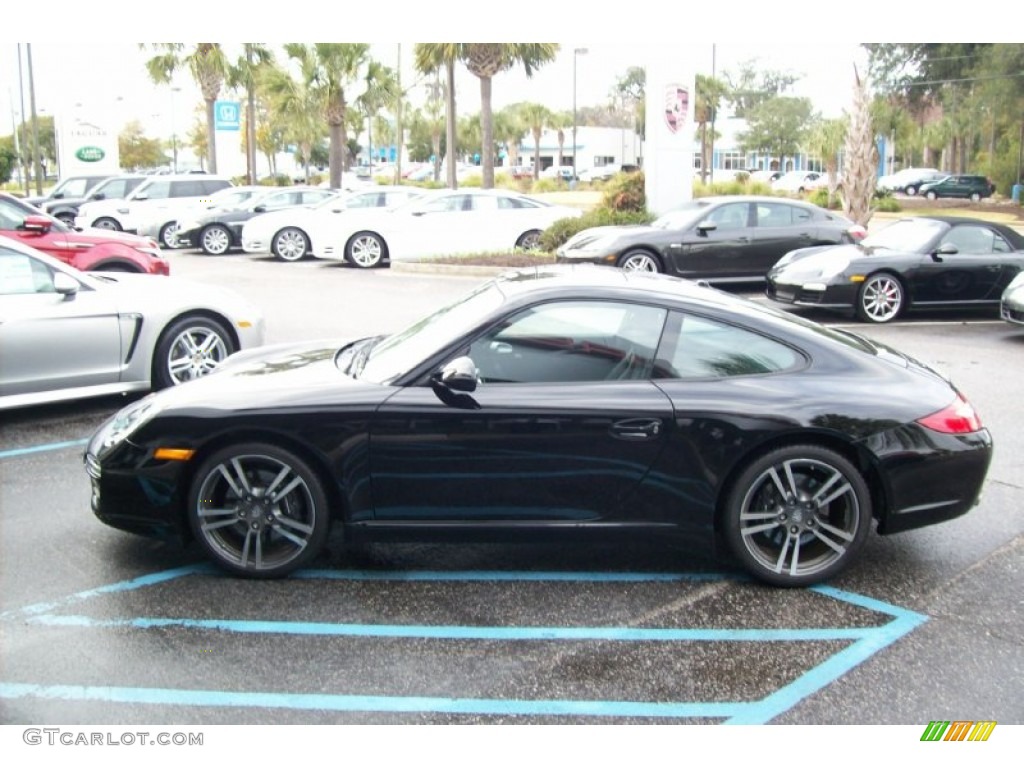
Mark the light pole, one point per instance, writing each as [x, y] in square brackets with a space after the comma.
[174, 134]
[575, 55]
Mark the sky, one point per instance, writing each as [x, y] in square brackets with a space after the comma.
[95, 60]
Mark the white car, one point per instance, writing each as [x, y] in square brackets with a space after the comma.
[441, 222]
[800, 181]
[285, 234]
[66, 334]
[163, 224]
[909, 180]
[150, 196]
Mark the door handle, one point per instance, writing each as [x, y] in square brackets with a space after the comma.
[636, 429]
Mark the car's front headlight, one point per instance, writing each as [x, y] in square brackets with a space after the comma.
[1017, 282]
[121, 426]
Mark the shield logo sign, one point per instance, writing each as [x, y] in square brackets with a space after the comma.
[677, 102]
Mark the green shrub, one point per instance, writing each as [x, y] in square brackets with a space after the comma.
[558, 233]
[887, 205]
[546, 185]
[625, 192]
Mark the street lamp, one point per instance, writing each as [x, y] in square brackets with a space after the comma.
[575, 55]
[174, 133]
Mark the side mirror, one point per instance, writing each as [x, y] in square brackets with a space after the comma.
[143, 196]
[38, 224]
[453, 383]
[946, 249]
[706, 226]
[98, 196]
[260, 209]
[65, 285]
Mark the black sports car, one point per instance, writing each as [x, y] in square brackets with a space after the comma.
[553, 401]
[914, 263]
[719, 239]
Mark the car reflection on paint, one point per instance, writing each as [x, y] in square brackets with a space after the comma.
[554, 402]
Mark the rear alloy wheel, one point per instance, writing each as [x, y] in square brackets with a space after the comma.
[290, 244]
[189, 349]
[639, 261]
[798, 515]
[169, 235]
[931, 195]
[975, 197]
[107, 223]
[215, 240]
[529, 241]
[66, 218]
[880, 298]
[366, 250]
[258, 510]
[911, 190]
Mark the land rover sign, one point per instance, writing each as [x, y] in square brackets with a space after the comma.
[90, 154]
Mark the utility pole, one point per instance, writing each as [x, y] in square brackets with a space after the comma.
[35, 122]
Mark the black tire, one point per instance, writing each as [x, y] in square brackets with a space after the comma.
[366, 250]
[975, 197]
[258, 510]
[123, 268]
[190, 348]
[639, 261]
[105, 222]
[911, 190]
[215, 240]
[881, 298]
[797, 515]
[66, 218]
[931, 195]
[290, 244]
[529, 241]
[169, 235]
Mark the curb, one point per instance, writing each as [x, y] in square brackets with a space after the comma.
[454, 270]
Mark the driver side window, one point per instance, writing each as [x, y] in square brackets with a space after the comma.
[571, 342]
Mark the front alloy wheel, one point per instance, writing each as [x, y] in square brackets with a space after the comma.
[798, 515]
[290, 244]
[639, 261]
[215, 240]
[365, 250]
[189, 349]
[169, 235]
[880, 299]
[258, 510]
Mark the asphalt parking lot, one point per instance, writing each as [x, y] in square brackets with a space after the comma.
[98, 626]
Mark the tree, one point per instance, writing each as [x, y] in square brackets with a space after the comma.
[536, 116]
[860, 157]
[382, 91]
[559, 121]
[776, 127]
[629, 94]
[244, 74]
[197, 139]
[209, 68]
[431, 57]
[509, 129]
[710, 93]
[826, 140]
[8, 158]
[750, 88]
[137, 151]
[300, 102]
[485, 60]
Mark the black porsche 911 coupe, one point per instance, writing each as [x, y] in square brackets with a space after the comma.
[928, 262]
[553, 401]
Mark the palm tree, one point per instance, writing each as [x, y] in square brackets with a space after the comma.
[710, 92]
[209, 68]
[485, 60]
[435, 98]
[243, 74]
[431, 57]
[536, 116]
[559, 121]
[826, 141]
[382, 91]
[299, 102]
[509, 127]
[860, 157]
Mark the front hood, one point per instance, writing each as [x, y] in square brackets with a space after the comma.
[97, 236]
[812, 263]
[280, 376]
[598, 236]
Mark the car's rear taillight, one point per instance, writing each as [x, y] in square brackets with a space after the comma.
[857, 233]
[958, 418]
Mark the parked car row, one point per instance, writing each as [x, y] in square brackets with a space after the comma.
[933, 184]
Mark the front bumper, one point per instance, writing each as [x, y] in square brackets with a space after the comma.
[1011, 312]
[812, 294]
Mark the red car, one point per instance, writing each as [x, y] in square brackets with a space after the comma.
[89, 249]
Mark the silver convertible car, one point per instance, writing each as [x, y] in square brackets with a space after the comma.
[66, 334]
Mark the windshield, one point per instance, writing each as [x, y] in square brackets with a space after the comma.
[403, 351]
[683, 216]
[906, 235]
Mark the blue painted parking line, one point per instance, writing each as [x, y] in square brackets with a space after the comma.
[16, 452]
[864, 642]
